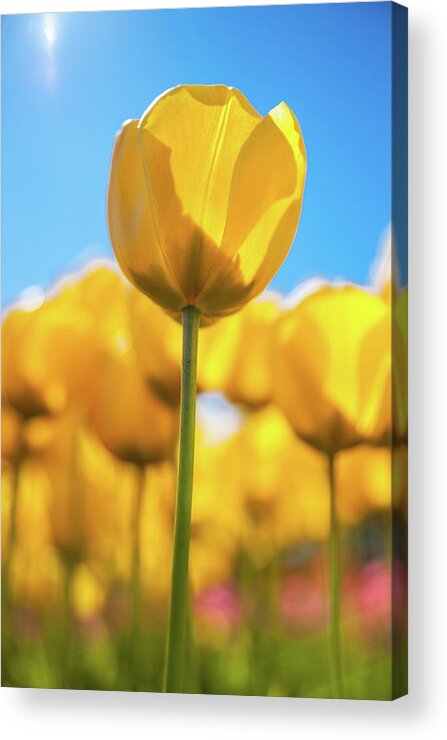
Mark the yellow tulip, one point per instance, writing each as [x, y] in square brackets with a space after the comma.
[362, 482]
[138, 428]
[283, 484]
[333, 368]
[400, 366]
[88, 593]
[156, 523]
[27, 387]
[48, 356]
[101, 293]
[11, 434]
[38, 435]
[131, 422]
[235, 356]
[215, 529]
[158, 345]
[369, 479]
[333, 382]
[35, 571]
[37, 577]
[78, 477]
[24, 438]
[205, 197]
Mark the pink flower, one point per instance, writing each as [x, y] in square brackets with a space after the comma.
[302, 602]
[219, 607]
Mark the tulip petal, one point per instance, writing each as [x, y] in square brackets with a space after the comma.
[190, 139]
[263, 212]
[131, 225]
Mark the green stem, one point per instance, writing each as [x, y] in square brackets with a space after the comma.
[140, 472]
[334, 557]
[175, 648]
[135, 628]
[12, 530]
[191, 680]
[388, 536]
[67, 624]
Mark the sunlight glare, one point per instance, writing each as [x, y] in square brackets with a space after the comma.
[49, 30]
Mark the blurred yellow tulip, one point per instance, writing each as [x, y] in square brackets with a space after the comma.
[131, 422]
[88, 593]
[235, 356]
[216, 516]
[37, 577]
[23, 440]
[48, 356]
[30, 389]
[283, 483]
[25, 437]
[35, 571]
[215, 529]
[400, 366]
[156, 524]
[333, 368]
[332, 379]
[99, 291]
[369, 479]
[158, 345]
[81, 476]
[362, 482]
[11, 434]
[205, 197]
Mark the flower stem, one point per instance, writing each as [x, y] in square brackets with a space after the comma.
[334, 558]
[175, 648]
[67, 624]
[12, 531]
[140, 479]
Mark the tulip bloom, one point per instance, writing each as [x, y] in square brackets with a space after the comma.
[400, 366]
[363, 482]
[204, 200]
[283, 483]
[333, 369]
[205, 197]
[215, 529]
[131, 422]
[333, 382]
[246, 341]
[136, 427]
[48, 355]
[100, 291]
[11, 434]
[35, 573]
[158, 345]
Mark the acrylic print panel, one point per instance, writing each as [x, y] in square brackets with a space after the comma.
[204, 342]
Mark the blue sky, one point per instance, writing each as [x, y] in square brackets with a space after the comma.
[70, 80]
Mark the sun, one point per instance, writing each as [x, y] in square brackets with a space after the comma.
[49, 29]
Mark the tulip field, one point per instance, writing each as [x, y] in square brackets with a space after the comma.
[91, 392]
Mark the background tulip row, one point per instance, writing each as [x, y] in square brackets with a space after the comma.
[298, 397]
